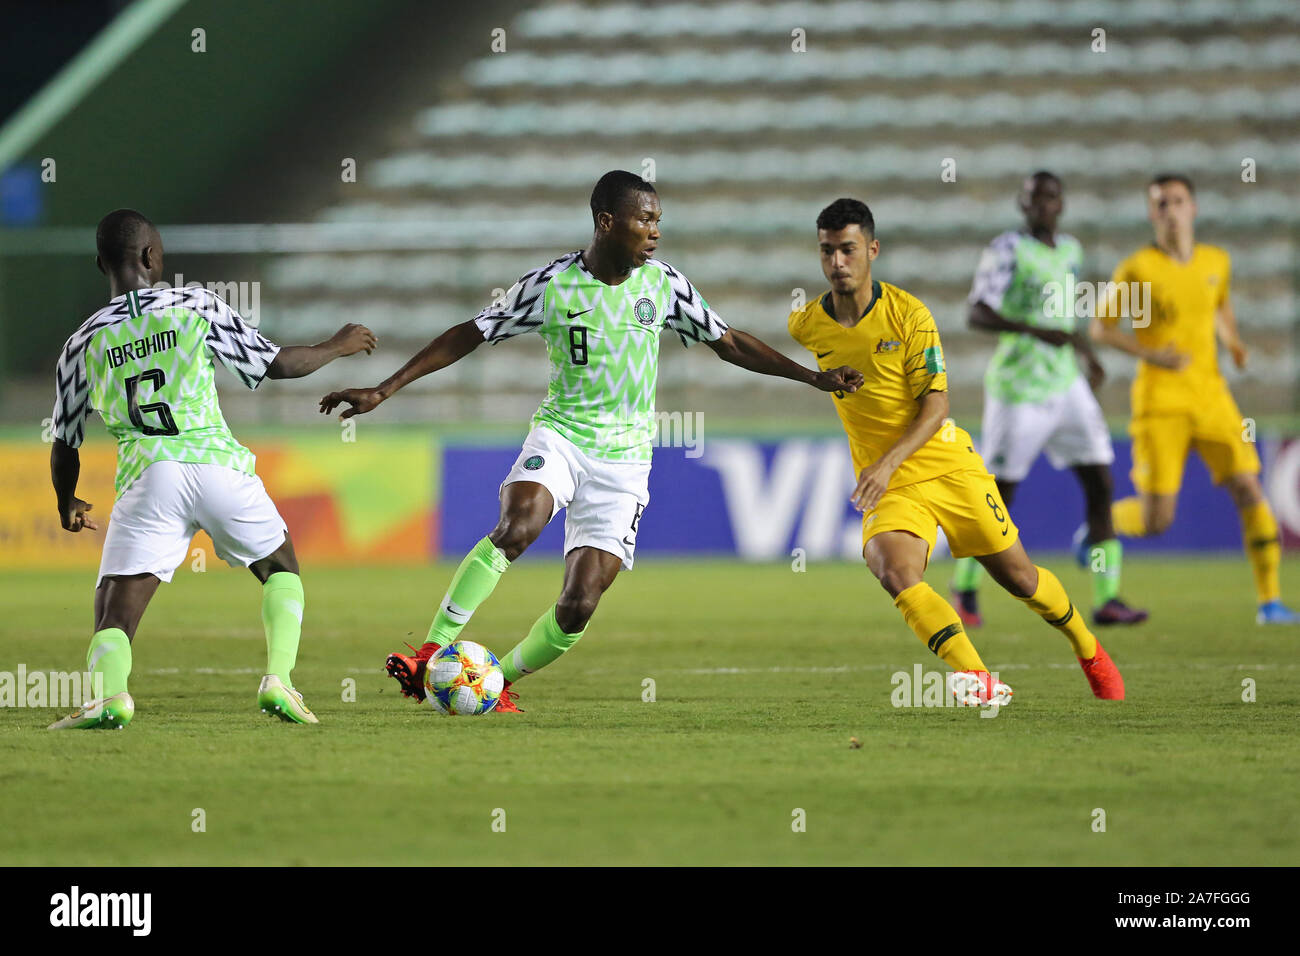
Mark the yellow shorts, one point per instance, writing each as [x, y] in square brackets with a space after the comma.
[966, 504]
[1161, 442]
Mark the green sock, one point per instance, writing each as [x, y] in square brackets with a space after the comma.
[109, 656]
[471, 585]
[1104, 560]
[282, 603]
[543, 645]
[966, 574]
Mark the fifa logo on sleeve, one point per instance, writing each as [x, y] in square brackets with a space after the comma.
[934, 360]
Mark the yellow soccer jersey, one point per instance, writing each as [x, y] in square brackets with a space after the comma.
[1183, 300]
[895, 346]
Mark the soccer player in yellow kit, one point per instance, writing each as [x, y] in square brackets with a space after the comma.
[917, 471]
[1176, 292]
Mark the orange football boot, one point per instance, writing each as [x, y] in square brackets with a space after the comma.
[409, 671]
[506, 703]
[1103, 676]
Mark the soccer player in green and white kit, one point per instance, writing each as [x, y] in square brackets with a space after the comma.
[146, 362]
[1035, 398]
[600, 312]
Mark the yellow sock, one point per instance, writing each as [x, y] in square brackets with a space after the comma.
[1052, 604]
[1259, 534]
[1126, 515]
[936, 623]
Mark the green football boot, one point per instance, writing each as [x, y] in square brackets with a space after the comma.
[274, 698]
[109, 713]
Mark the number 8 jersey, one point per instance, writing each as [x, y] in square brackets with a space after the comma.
[603, 345]
[145, 362]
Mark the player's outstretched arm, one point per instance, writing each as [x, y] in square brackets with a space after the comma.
[986, 319]
[1112, 335]
[295, 361]
[746, 351]
[932, 409]
[65, 468]
[447, 349]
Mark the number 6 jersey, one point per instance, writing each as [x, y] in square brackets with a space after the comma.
[145, 362]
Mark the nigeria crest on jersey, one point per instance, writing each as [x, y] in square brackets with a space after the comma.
[603, 345]
[644, 310]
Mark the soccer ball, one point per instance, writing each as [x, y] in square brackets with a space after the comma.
[463, 678]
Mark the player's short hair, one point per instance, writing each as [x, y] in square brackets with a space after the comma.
[847, 212]
[1047, 174]
[1164, 179]
[119, 233]
[615, 186]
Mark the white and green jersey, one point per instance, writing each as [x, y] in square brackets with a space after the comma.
[603, 343]
[1028, 281]
[145, 362]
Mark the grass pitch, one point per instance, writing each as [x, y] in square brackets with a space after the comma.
[761, 676]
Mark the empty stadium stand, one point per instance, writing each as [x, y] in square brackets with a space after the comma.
[748, 138]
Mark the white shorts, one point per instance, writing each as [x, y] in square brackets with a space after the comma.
[152, 523]
[605, 499]
[1068, 426]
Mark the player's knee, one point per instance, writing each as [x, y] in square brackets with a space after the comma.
[281, 560]
[513, 536]
[574, 609]
[897, 580]
[1245, 490]
[119, 620]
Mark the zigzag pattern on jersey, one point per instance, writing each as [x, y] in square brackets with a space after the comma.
[523, 308]
[995, 270]
[71, 386]
[1014, 276]
[689, 316]
[183, 391]
[635, 356]
[241, 348]
[604, 405]
[186, 388]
